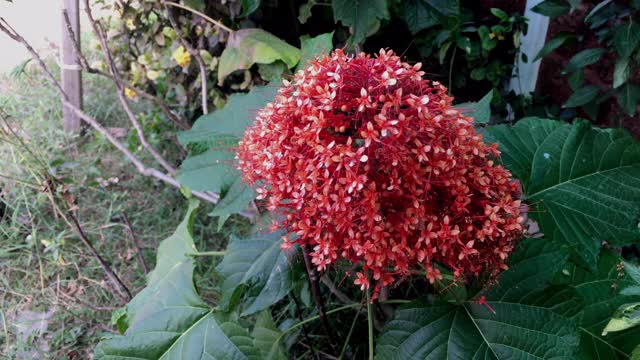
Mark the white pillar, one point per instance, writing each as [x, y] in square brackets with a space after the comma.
[530, 44]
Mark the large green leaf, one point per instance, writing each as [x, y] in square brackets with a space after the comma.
[531, 267]
[209, 171]
[313, 47]
[628, 97]
[168, 320]
[600, 297]
[267, 337]
[582, 96]
[552, 8]
[634, 273]
[360, 16]
[480, 111]
[519, 143]
[232, 120]
[469, 332]
[621, 72]
[553, 44]
[423, 14]
[582, 59]
[171, 260]
[627, 39]
[256, 268]
[254, 46]
[236, 199]
[585, 182]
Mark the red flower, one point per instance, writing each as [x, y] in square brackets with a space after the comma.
[369, 162]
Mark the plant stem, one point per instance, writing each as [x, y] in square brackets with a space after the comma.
[346, 342]
[317, 297]
[316, 317]
[136, 243]
[208, 253]
[453, 57]
[370, 323]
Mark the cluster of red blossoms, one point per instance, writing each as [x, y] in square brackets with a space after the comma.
[369, 162]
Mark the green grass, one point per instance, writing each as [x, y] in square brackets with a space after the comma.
[43, 266]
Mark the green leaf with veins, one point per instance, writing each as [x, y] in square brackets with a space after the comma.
[472, 331]
[313, 47]
[628, 97]
[231, 121]
[256, 268]
[600, 297]
[209, 171]
[236, 199]
[532, 266]
[621, 72]
[267, 337]
[254, 46]
[360, 16]
[168, 319]
[572, 172]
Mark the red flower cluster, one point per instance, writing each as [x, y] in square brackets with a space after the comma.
[369, 162]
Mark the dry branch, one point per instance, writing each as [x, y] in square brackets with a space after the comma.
[98, 31]
[140, 167]
[136, 243]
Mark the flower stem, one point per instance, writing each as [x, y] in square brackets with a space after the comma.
[207, 253]
[370, 323]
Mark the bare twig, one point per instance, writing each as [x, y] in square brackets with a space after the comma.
[142, 169]
[181, 123]
[317, 297]
[136, 243]
[214, 22]
[97, 29]
[194, 52]
[121, 288]
[86, 303]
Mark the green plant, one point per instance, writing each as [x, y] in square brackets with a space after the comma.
[554, 300]
[447, 31]
[613, 24]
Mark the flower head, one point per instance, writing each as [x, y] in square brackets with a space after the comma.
[369, 162]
